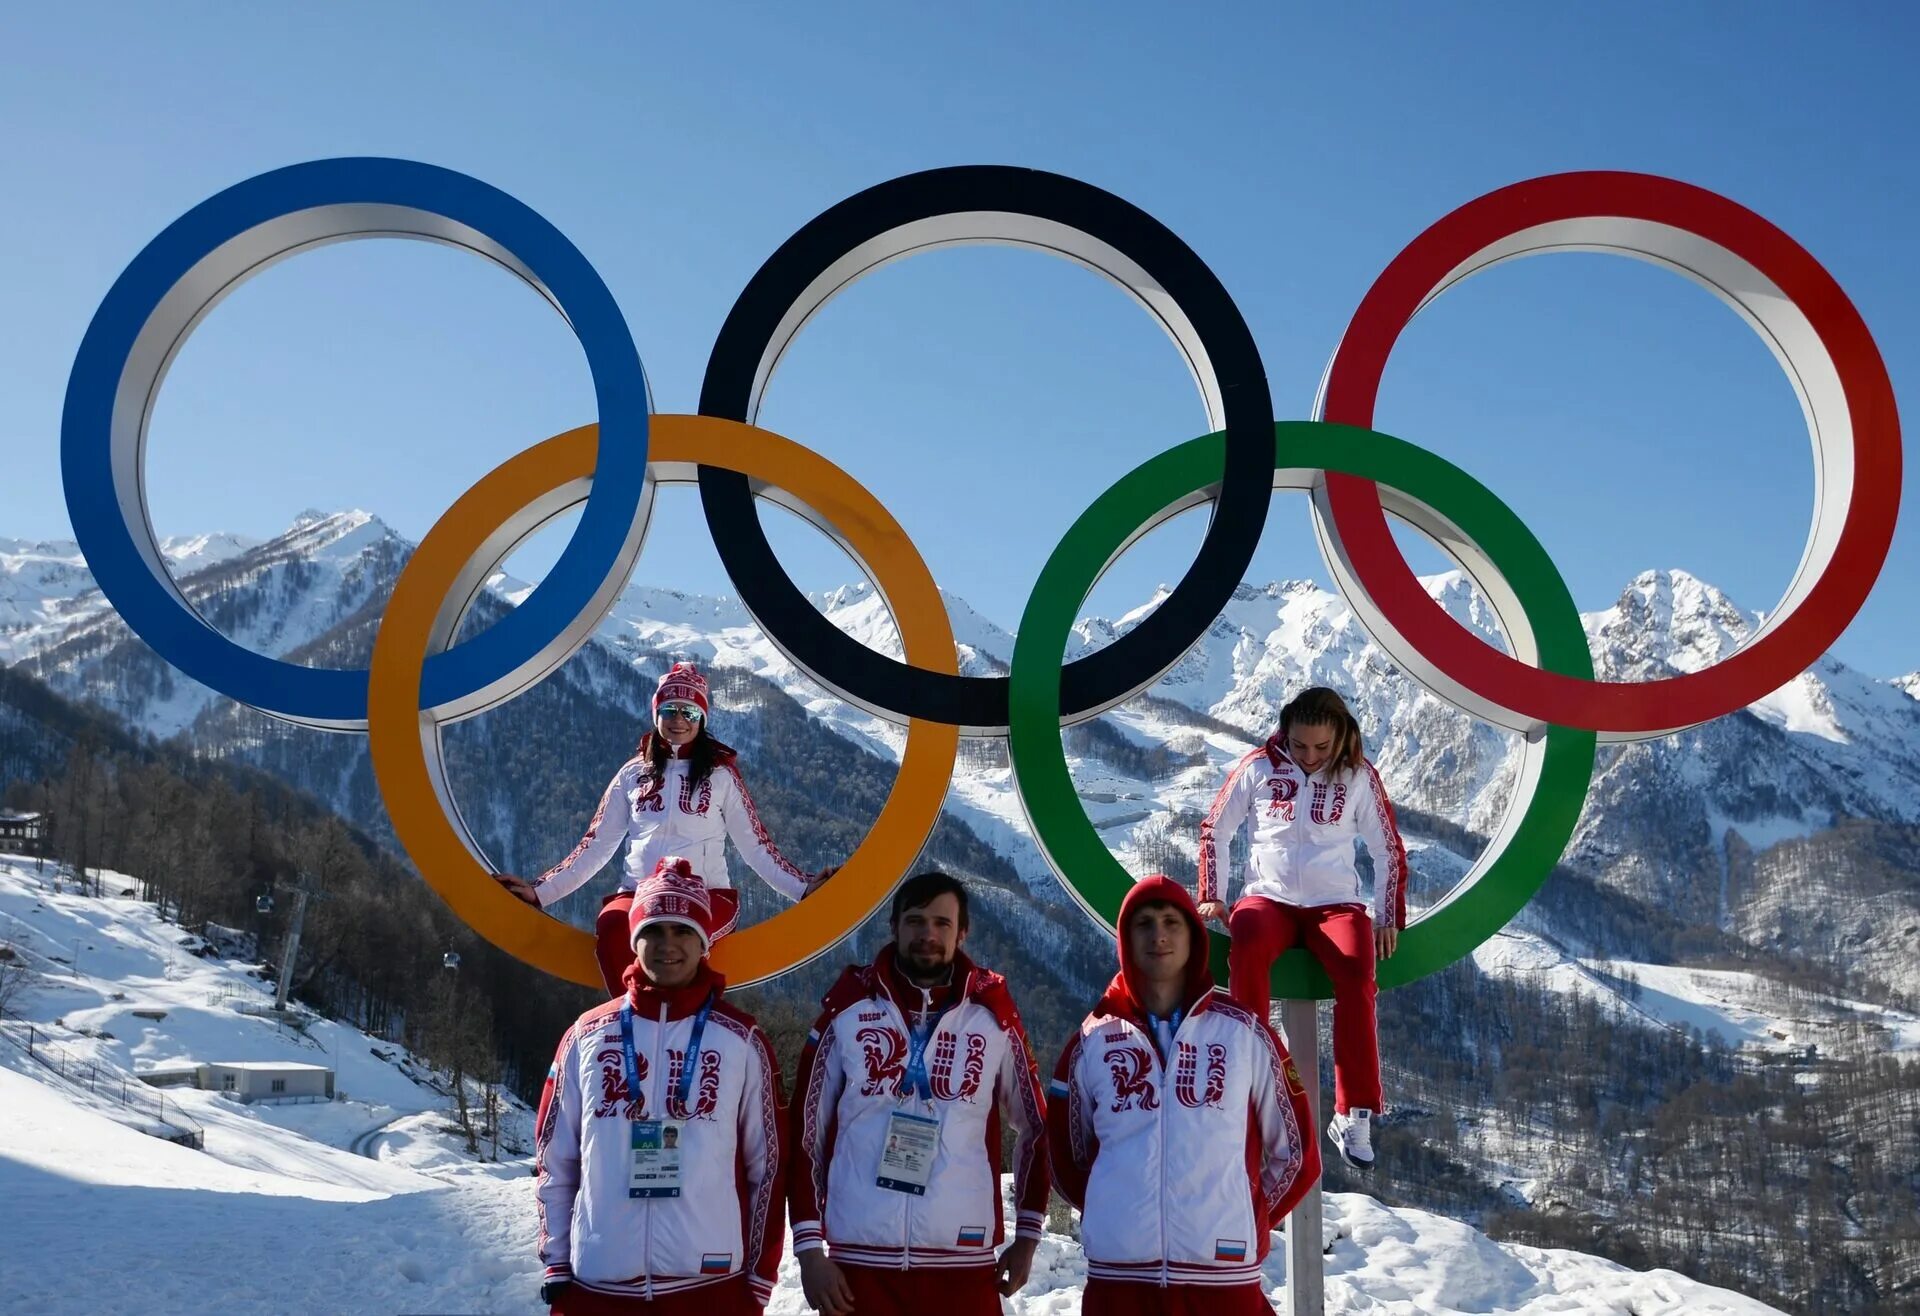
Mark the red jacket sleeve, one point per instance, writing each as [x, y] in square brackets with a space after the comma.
[1071, 1141]
[556, 1165]
[1381, 830]
[1026, 1104]
[810, 1129]
[1289, 1151]
[1224, 817]
[762, 1168]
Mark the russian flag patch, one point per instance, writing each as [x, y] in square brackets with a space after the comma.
[716, 1263]
[1057, 1088]
[972, 1236]
[1229, 1249]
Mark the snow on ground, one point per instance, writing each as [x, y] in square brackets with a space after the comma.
[1745, 1010]
[188, 1233]
[105, 965]
[366, 1204]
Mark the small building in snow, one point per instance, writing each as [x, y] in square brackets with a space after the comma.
[20, 833]
[267, 1080]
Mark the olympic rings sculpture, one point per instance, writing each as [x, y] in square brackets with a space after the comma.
[420, 680]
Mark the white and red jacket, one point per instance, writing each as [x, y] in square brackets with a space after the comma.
[1183, 1145]
[854, 1074]
[728, 1217]
[674, 815]
[1301, 830]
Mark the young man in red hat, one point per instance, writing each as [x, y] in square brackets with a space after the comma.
[659, 1152]
[895, 1182]
[1177, 1125]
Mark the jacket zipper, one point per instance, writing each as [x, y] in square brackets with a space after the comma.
[906, 1237]
[1165, 1072]
[659, 1086]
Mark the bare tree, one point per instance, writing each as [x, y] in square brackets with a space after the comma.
[14, 976]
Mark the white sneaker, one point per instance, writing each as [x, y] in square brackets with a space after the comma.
[1352, 1133]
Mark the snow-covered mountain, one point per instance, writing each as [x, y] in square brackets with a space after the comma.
[1778, 840]
[45, 585]
[275, 597]
[1686, 823]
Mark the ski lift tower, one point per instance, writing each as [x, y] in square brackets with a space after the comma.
[303, 890]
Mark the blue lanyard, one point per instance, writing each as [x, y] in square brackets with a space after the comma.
[1173, 1026]
[685, 1085]
[916, 1076]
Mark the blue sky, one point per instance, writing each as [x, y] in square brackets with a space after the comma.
[985, 395]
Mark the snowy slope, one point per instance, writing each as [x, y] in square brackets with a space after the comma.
[276, 1215]
[274, 598]
[1747, 1011]
[101, 960]
[1849, 744]
[45, 586]
[1668, 822]
[295, 1246]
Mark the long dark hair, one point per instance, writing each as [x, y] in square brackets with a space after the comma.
[702, 757]
[1321, 707]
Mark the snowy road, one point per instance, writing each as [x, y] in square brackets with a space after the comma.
[368, 1144]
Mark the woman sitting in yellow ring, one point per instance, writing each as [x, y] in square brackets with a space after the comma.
[680, 794]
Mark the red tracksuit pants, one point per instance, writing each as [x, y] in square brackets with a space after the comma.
[1119, 1297]
[732, 1298]
[961, 1291]
[1341, 938]
[611, 944]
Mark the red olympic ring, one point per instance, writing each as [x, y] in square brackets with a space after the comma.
[1795, 305]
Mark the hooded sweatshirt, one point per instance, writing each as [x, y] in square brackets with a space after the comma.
[1182, 1153]
[727, 1219]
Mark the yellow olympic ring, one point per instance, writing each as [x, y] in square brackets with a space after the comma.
[420, 617]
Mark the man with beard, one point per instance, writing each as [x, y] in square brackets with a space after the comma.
[894, 1187]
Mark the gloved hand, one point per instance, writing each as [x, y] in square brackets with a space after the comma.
[519, 887]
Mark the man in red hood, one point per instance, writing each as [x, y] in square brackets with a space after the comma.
[659, 1157]
[895, 1183]
[1175, 1122]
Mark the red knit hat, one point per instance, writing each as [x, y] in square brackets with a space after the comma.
[674, 894]
[682, 684]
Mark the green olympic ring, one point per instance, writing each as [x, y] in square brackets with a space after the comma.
[1524, 853]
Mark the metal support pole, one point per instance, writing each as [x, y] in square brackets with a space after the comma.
[1306, 1261]
[292, 947]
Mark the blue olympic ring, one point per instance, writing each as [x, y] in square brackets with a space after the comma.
[204, 255]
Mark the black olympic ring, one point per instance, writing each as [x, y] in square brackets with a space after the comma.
[1023, 207]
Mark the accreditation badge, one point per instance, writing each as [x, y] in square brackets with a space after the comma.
[906, 1156]
[654, 1170]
